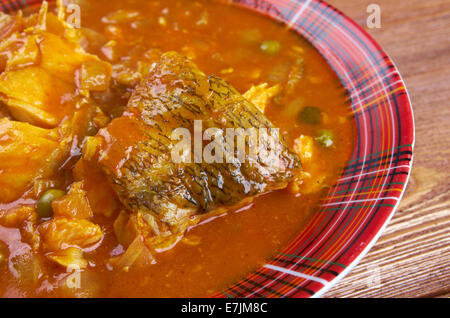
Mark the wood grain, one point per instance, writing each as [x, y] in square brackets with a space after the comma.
[412, 257]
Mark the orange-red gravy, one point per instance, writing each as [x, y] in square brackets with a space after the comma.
[232, 245]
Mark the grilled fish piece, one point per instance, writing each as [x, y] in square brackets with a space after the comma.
[134, 150]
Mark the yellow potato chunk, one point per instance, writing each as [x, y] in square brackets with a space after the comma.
[17, 216]
[24, 151]
[61, 233]
[95, 75]
[54, 25]
[260, 95]
[28, 54]
[40, 65]
[34, 96]
[61, 58]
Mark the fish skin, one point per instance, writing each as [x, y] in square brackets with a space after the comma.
[139, 164]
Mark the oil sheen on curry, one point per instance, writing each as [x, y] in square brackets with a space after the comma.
[103, 118]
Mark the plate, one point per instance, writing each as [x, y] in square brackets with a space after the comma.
[359, 206]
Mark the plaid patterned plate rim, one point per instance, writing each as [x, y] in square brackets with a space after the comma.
[361, 203]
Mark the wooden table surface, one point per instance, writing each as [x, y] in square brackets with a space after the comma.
[412, 257]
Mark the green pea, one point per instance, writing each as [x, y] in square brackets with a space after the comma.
[310, 115]
[270, 46]
[325, 138]
[44, 204]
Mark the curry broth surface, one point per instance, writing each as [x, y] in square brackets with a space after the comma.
[232, 245]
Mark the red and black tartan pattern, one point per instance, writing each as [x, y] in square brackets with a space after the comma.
[363, 200]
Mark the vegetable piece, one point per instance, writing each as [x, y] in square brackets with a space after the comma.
[26, 153]
[60, 233]
[27, 55]
[75, 204]
[34, 96]
[313, 177]
[261, 94]
[325, 138]
[8, 24]
[60, 57]
[30, 235]
[101, 202]
[124, 74]
[310, 115]
[91, 147]
[270, 46]
[126, 228]
[137, 254]
[95, 75]
[303, 146]
[44, 204]
[71, 257]
[16, 216]
[26, 266]
[299, 182]
[39, 82]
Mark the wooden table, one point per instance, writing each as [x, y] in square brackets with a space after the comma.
[412, 257]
